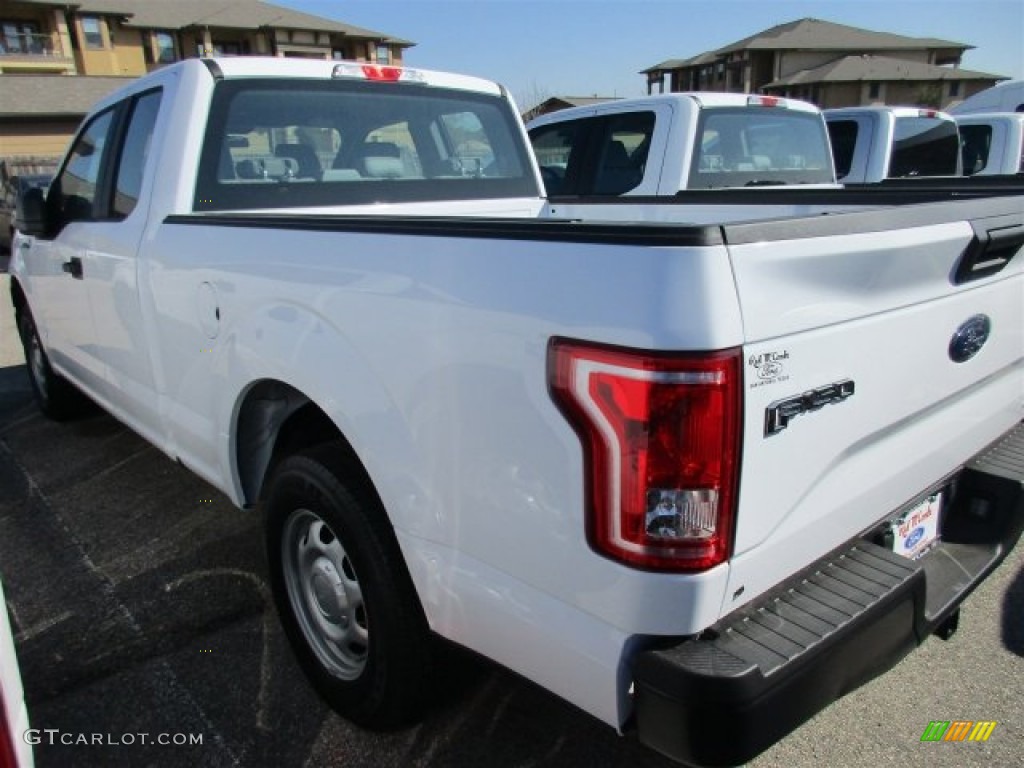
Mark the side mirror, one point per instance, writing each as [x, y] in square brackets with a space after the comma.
[30, 216]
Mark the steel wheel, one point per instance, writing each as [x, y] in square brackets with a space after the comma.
[340, 581]
[56, 397]
[325, 594]
[38, 368]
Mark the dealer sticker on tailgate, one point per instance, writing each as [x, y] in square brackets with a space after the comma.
[918, 528]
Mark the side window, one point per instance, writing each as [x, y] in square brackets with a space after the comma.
[975, 143]
[134, 152]
[623, 149]
[74, 193]
[553, 146]
[843, 135]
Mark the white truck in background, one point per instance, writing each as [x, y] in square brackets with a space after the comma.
[992, 143]
[661, 145]
[872, 144]
[1007, 96]
[700, 470]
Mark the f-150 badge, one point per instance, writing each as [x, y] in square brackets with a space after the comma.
[778, 415]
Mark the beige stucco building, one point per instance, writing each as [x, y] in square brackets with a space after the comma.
[58, 57]
[831, 65]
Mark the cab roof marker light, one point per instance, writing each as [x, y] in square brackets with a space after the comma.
[376, 73]
[765, 101]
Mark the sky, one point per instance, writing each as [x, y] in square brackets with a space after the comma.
[597, 47]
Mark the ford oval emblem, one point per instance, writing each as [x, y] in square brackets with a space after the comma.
[914, 537]
[969, 338]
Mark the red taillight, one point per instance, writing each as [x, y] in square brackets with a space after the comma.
[661, 439]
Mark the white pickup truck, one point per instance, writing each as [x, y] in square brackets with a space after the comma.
[871, 144]
[700, 471]
[661, 145]
[992, 143]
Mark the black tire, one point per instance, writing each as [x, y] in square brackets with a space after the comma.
[343, 592]
[56, 397]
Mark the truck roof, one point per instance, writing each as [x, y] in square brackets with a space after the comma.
[880, 109]
[702, 99]
[988, 118]
[314, 69]
[268, 66]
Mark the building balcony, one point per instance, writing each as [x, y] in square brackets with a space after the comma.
[33, 53]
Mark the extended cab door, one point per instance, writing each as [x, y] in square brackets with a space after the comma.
[110, 272]
[83, 276]
[53, 264]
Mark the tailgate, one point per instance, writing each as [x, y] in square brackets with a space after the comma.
[883, 350]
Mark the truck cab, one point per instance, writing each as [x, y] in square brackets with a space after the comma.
[992, 143]
[870, 144]
[661, 145]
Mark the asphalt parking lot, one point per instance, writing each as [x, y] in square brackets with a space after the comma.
[140, 605]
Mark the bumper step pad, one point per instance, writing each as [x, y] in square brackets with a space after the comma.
[727, 695]
[745, 684]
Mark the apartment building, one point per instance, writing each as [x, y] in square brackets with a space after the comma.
[57, 57]
[831, 65]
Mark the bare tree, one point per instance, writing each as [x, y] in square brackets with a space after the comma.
[531, 97]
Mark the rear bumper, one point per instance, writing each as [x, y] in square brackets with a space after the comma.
[724, 697]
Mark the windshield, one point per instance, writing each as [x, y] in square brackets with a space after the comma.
[286, 143]
[755, 146]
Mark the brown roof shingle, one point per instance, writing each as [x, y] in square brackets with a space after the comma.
[53, 95]
[815, 34]
[878, 68]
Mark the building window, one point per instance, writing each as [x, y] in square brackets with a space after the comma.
[226, 49]
[165, 50]
[873, 90]
[954, 88]
[383, 54]
[337, 54]
[23, 37]
[92, 31]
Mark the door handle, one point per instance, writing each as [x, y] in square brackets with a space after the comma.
[73, 267]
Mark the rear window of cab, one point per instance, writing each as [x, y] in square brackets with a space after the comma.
[280, 144]
[750, 146]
